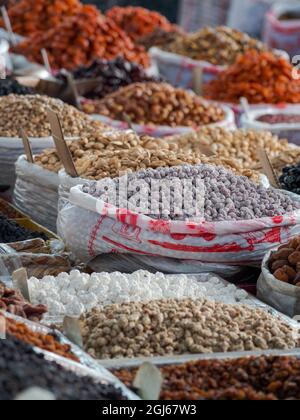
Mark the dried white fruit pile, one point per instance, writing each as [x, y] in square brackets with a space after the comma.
[75, 293]
[175, 327]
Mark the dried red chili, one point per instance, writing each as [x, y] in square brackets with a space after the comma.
[261, 77]
[81, 39]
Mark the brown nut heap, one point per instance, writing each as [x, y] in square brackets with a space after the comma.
[175, 327]
[13, 302]
[220, 46]
[30, 113]
[46, 342]
[114, 153]
[255, 379]
[284, 264]
[240, 145]
[157, 104]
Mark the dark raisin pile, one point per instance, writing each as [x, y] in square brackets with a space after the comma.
[10, 85]
[12, 232]
[290, 178]
[21, 368]
[112, 76]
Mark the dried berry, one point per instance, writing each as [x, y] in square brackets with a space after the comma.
[10, 85]
[10, 231]
[290, 178]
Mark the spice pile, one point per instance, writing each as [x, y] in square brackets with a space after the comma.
[10, 85]
[30, 16]
[111, 76]
[75, 293]
[35, 370]
[30, 113]
[137, 21]
[158, 104]
[261, 77]
[284, 264]
[226, 196]
[175, 327]
[46, 342]
[290, 178]
[10, 231]
[240, 145]
[219, 46]
[81, 39]
[13, 302]
[239, 379]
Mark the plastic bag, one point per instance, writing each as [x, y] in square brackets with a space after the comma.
[91, 228]
[163, 131]
[284, 131]
[283, 34]
[36, 193]
[11, 149]
[178, 70]
[282, 296]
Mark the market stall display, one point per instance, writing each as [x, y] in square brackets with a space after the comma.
[175, 327]
[81, 39]
[237, 379]
[260, 77]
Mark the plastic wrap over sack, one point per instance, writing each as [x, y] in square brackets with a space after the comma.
[283, 131]
[164, 131]
[282, 296]
[36, 193]
[91, 228]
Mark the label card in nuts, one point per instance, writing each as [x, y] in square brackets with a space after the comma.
[149, 382]
[72, 330]
[27, 146]
[268, 168]
[20, 281]
[61, 145]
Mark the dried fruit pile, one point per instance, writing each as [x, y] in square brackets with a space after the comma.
[158, 104]
[290, 178]
[10, 85]
[159, 38]
[261, 77]
[35, 371]
[284, 264]
[10, 231]
[175, 327]
[30, 16]
[81, 39]
[137, 21]
[280, 119]
[219, 46]
[239, 379]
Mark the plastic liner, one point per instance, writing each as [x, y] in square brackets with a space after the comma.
[282, 296]
[6, 269]
[87, 365]
[284, 131]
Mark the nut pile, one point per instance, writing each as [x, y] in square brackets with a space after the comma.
[238, 379]
[176, 327]
[226, 196]
[158, 104]
[35, 370]
[284, 264]
[75, 293]
[10, 85]
[219, 46]
[30, 16]
[111, 76]
[137, 21]
[240, 145]
[30, 113]
[79, 40]
[159, 38]
[10, 231]
[13, 302]
[261, 77]
[114, 153]
[280, 119]
[290, 178]
[46, 342]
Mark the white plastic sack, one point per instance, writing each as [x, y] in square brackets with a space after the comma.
[10, 150]
[178, 70]
[282, 296]
[283, 131]
[36, 193]
[92, 227]
[162, 131]
[280, 34]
